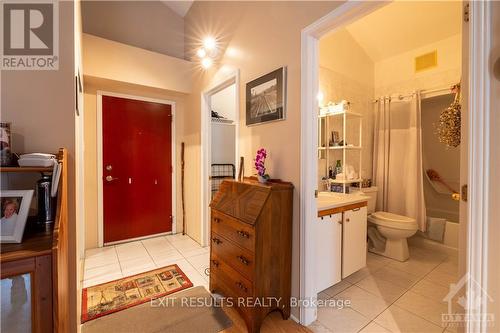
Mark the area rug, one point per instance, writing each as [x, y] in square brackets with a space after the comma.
[114, 296]
[173, 315]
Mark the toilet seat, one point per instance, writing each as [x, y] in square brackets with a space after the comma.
[391, 220]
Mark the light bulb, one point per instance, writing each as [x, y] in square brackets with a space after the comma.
[209, 43]
[201, 53]
[206, 63]
[320, 96]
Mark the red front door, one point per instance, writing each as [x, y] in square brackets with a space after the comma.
[137, 168]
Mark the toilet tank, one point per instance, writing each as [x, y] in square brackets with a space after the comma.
[371, 192]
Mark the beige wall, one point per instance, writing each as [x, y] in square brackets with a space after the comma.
[149, 25]
[120, 62]
[261, 37]
[41, 107]
[92, 85]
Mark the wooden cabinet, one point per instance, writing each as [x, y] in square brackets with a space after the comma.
[329, 246]
[354, 240]
[251, 247]
[40, 263]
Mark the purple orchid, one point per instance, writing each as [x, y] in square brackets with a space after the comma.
[259, 162]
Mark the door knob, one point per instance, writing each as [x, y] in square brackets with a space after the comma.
[110, 178]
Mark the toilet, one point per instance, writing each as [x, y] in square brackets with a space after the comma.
[388, 232]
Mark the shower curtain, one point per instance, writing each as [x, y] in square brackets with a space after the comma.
[397, 162]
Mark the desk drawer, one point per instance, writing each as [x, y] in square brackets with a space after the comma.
[238, 258]
[239, 232]
[240, 286]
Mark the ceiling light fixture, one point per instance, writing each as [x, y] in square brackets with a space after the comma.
[206, 63]
[209, 43]
[201, 53]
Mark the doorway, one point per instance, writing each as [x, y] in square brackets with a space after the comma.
[135, 168]
[472, 124]
[220, 124]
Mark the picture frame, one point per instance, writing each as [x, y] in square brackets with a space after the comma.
[15, 205]
[266, 98]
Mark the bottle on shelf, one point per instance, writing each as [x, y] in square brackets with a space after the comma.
[331, 174]
[338, 167]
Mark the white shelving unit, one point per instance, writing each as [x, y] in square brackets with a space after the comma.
[325, 149]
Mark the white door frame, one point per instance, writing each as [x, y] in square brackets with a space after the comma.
[478, 145]
[100, 203]
[206, 149]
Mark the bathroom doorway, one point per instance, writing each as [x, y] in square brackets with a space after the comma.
[336, 21]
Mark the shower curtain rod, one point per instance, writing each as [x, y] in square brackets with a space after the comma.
[422, 92]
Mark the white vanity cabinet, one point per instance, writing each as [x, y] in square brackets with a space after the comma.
[329, 248]
[341, 243]
[353, 240]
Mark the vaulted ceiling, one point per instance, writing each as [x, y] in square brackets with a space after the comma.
[406, 25]
[180, 7]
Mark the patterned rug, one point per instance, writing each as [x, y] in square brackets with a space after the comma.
[110, 297]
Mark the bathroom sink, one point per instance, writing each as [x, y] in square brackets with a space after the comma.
[328, 200]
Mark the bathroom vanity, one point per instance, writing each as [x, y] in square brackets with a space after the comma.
[341, 230]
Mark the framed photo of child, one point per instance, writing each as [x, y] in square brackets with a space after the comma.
[15, 206]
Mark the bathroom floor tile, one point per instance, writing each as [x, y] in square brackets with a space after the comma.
[396, 319]
[337, 288]
[397, 277]
[414, 267]
[363, 302]
[441, 278]
[362, 273]
[344, 320]
[430, 289]
[424, 307]
[381, 288]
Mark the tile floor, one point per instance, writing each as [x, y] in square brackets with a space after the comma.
[118, 261]
[391, 296]
[386, 296]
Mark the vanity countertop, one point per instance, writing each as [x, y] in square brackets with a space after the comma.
[329, 202]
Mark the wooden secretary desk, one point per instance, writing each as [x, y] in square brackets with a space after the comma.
[251, 247]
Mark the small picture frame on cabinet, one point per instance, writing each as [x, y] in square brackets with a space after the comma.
[15, 206]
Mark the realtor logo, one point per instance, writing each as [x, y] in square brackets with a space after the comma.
[29, 35]
[470, 300]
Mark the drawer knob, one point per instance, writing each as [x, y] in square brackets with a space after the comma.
[241, 286]
[347, 220]
[216, 240]
[215, 263]
[243, 260]
[216, 219]
[243, 234]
